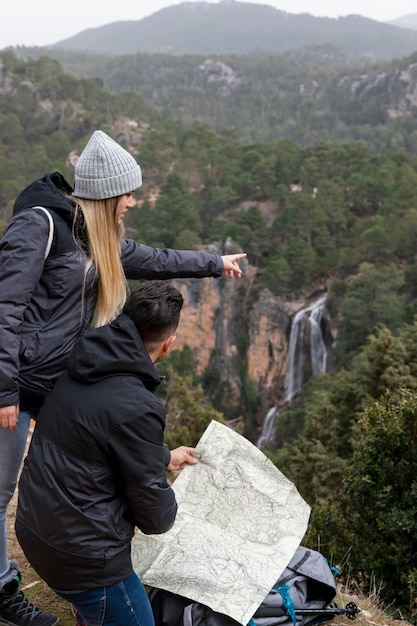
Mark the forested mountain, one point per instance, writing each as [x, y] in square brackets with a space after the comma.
[305, 99]
[328, 219]
[232, 27]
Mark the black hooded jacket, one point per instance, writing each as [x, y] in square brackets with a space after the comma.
[42, 312]
[96, 464]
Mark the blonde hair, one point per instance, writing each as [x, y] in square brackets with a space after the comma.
[104, 234]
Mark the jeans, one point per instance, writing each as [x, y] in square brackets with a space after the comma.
[123, 604]
[12, 448]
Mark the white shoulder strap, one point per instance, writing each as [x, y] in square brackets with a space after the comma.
[51, 229]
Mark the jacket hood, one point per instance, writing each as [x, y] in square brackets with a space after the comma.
[50, 191]
[111, 350]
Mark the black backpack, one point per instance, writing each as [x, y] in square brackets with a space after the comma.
[305, 588]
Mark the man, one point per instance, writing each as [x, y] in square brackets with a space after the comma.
[96, 464]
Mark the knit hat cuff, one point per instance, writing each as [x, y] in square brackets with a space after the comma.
[99, 189]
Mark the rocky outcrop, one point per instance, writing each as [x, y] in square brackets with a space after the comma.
[268, 330]
[211, 322]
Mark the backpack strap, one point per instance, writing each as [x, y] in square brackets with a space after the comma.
[287, 602]
[51, 229]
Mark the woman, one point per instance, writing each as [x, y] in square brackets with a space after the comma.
[47, 303]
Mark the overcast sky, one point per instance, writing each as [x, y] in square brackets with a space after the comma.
[43, 22]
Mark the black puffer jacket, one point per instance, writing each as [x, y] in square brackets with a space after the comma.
[96, 464]
[41, 309]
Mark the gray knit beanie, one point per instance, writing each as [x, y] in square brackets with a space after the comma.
[105, 169]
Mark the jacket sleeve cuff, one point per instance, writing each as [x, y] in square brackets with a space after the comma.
[167, 455]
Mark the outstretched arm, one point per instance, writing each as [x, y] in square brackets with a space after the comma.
[146, 263]
[231, 267]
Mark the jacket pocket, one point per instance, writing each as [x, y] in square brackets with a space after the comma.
[30, 351]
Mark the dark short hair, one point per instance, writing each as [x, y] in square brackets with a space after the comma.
[154, 307]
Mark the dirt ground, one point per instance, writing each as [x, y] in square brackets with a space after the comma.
[35, 589]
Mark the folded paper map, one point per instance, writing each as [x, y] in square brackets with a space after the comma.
[239, 522]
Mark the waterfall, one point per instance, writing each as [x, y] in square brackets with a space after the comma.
[305, 331]
[268, 429]
[306, 327]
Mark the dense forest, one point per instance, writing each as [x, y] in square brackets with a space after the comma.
[310, 95]
[345, 212]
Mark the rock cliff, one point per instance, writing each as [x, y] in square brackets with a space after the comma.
[239, 336]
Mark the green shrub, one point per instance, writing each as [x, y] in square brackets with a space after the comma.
[375, 515]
